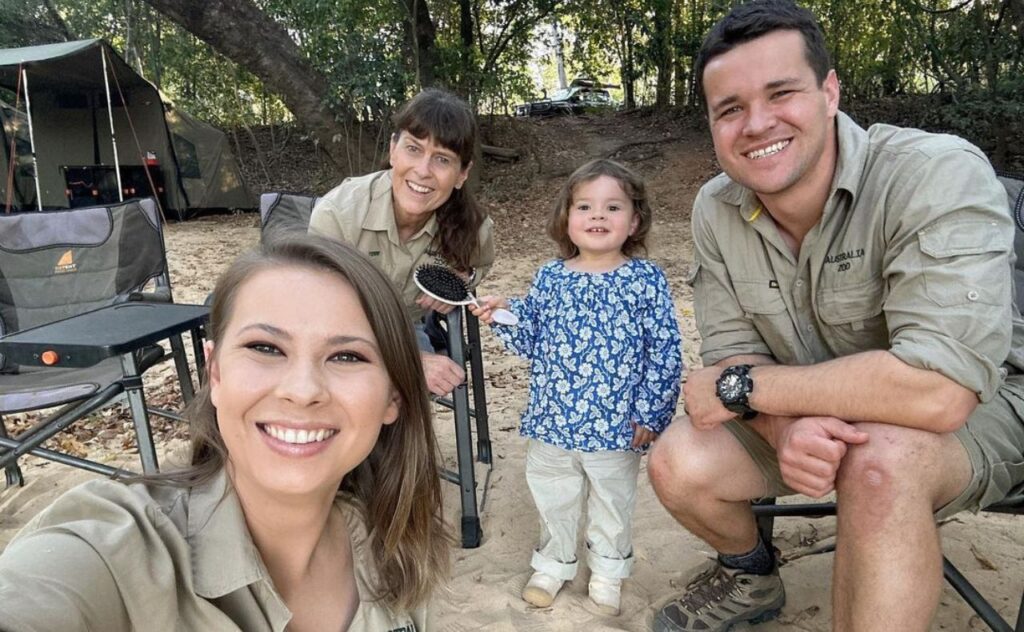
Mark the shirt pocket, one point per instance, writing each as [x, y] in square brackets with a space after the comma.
[965, 262]
[853, 315]
[759, 297]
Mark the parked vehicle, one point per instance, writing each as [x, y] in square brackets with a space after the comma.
[581, 97]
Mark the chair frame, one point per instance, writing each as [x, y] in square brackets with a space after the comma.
[129, 385]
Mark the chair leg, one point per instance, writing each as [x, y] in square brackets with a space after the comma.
[471, 531]
[766, 522]
[1020, 615]
[476, 368]
[974, 599]
[12, 471]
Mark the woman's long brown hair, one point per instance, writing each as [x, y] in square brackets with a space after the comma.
[397, 486]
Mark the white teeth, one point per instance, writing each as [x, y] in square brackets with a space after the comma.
[417, 188]
[291, 435]
[768, 151]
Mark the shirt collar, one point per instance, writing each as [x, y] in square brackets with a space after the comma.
[224, 557]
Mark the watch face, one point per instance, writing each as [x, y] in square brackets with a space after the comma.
[731, 387]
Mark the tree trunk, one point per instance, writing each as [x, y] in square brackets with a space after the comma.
[467, 68]
[663, 10]
[421, 35]
[240, 31]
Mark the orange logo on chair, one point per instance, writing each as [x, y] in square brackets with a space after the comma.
[65, 264]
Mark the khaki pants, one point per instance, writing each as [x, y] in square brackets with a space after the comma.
[560, 480]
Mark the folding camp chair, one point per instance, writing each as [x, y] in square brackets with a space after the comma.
[60, 264]
[766, 510]
[284, 212]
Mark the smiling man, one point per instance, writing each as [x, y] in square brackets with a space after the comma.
[852, 291]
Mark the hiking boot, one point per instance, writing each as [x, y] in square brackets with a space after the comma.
[719, 597]
[540, 591]
[606, 593]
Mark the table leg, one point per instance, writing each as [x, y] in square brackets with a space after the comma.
[197, 350]
[181, 366]
[137, 403]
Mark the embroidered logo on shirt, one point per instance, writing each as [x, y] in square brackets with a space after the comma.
[773, 284]
[842, 259]
[374, 253]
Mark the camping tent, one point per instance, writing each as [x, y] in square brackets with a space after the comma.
[85, 111]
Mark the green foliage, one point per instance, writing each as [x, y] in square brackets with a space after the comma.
[969, 54]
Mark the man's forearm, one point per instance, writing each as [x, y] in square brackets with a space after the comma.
[870, 386]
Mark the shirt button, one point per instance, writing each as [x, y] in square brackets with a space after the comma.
[972, 295]
[810, 327]
[799, 283]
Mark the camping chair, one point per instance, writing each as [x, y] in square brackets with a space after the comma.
[59, 264]
[766, 510]
[285, 212]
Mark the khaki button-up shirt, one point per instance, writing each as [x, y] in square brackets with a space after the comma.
[112, 557]
[359, 211]
[911, 254]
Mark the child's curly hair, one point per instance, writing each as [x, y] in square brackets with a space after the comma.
[632, 185]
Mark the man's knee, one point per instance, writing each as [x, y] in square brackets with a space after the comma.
[893, 466]
[680, 465]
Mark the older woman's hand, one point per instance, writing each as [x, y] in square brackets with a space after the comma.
[442, 373]
[428, 303]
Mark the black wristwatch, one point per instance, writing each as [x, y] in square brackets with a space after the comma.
[734, 387]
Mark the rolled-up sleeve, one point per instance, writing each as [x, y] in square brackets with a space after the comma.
[948, 271]
[725, 329]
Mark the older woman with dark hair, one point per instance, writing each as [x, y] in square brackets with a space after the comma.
[418, 211]
[312, 500]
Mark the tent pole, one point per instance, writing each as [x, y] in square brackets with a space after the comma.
[32, 140]
[113, 136]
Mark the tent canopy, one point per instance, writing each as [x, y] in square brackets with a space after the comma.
[188, 161]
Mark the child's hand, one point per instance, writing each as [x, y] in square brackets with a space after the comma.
[642, 436]
[485, 307]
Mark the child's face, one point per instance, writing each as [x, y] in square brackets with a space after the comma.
[601, 217]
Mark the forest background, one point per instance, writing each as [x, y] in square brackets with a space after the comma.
[332, 71]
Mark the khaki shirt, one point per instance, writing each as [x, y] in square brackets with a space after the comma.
[112, 557]
[912, 254]
[359, 211]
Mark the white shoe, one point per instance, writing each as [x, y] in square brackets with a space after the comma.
[540, 591]
[606, 593]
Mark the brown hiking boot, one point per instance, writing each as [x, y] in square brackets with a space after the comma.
[719, 597]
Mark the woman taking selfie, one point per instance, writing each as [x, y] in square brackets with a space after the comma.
[312, 501]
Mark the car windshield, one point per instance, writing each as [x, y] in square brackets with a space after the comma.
[560, 95]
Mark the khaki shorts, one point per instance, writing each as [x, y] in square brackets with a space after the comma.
[993, 438]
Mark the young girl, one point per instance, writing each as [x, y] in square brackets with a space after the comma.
[599, 329]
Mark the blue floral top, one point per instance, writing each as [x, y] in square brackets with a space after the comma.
[604, 351]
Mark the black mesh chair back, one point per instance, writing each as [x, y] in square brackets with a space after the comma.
[284, 212]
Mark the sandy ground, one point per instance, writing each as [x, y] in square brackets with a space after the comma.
[484, 591]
